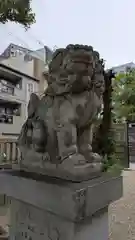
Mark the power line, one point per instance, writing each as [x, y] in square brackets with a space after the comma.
[26, 45]
[36, 40]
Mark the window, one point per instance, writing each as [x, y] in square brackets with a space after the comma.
[7, 111]
[2, 110]
[6, 119]
[9, 119]
[17, 111]
[27, 58]
[13, 53]
[30, 87]
[19, 85]
[6, 87]
[19, 52]
[2, 118]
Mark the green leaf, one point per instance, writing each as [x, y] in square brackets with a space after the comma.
[124, 95]
[18, 11]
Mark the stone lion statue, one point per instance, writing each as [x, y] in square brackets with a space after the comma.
[56, 138]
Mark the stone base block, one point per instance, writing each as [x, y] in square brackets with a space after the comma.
[28, 222]
[52, 209]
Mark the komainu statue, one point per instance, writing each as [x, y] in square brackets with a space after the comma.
[56, 138]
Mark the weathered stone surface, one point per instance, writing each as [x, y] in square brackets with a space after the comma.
[56, 138]
[53, 209]
[81, 199]
[28, 222]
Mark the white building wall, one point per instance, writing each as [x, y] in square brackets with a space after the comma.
[19, 64]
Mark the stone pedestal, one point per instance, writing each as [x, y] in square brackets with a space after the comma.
[50, 209]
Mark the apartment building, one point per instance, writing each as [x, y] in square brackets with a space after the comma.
[123, 68]
[13, 50]
[15, 90]
[32, 63]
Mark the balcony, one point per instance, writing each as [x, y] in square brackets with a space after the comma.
[5, 88]
[8, 110]
[9, 75]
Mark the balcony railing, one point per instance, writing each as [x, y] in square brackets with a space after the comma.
[9, 153]
[5, 118]
[7, 89]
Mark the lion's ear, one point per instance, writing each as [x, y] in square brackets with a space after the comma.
[56, 60]
[33, 104]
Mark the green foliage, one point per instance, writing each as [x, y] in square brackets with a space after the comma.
[106, 143]
[124, 96]
[112, 164]
[18, 11]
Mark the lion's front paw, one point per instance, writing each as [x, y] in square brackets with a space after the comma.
[74, 160]
[94, 158]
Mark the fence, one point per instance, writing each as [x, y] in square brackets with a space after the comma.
[120, 135]
[9, 152]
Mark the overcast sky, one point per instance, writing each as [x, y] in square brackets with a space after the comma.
[107, 25]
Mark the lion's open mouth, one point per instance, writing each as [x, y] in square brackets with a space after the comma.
[81, 57]
[81, 61]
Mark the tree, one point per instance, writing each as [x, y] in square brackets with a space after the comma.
[103, 142]
[124, 96]
[18, 11]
